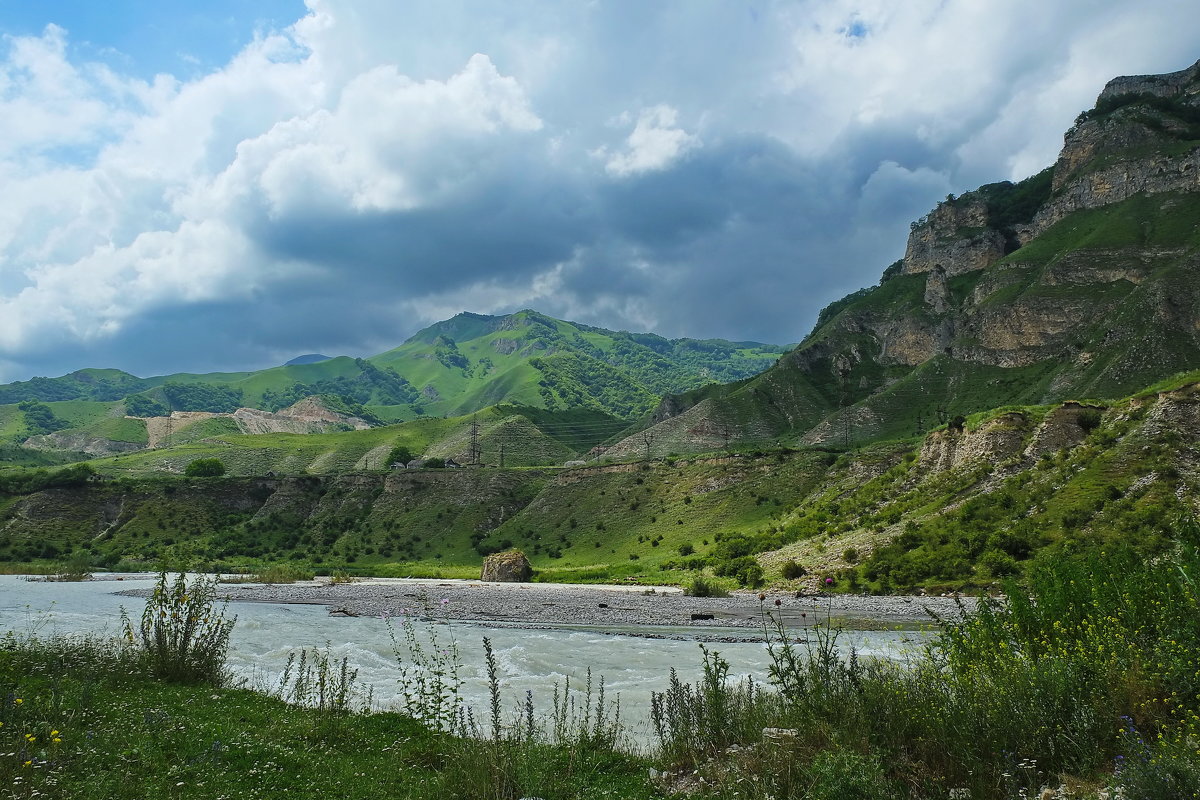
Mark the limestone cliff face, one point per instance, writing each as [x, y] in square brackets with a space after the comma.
[1137, 147]
[954, 238]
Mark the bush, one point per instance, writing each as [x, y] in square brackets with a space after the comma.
[205, 468]
[793, 570]
[744, 569]
[283, 573]
[182, 638]
[701, 586]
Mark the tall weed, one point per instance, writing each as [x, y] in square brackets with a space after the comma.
[182, 636]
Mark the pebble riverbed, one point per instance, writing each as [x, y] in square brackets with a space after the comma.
[624, 608]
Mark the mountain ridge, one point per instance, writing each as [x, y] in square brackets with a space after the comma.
[1080, 281]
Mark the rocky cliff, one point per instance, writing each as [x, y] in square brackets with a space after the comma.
[1081, 281]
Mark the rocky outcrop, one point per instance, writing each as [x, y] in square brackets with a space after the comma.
[509, 567]
[998, 439]
[1170, 84]
[309, 415]
[80, 443]
[955, 237]
[1064, 427]
[1125, 147]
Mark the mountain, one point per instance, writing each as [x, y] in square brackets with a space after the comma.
[460, 365]
[1080, 281]
[464, 364]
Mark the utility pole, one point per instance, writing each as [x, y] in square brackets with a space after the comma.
[725, 434]
[845, 404]
[473, 456]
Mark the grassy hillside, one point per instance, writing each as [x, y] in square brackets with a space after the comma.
[968, 505]
[452, 368]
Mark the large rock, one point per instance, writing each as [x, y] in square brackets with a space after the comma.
[509, 567]
[954, 238]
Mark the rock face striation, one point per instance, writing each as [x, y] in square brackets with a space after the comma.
[508, 567]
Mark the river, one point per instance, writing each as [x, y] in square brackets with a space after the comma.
[533, 660]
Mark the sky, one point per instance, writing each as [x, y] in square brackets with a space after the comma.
[224, 186]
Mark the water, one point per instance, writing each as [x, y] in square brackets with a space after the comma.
[533, 660]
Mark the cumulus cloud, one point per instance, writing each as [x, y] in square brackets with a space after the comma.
[653, 145]
[718, 170]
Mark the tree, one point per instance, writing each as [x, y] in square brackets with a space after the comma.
[39, 418]
[205, 468]
[141, 405]
[400, 455]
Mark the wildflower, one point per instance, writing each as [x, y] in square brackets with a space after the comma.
[17, 701]
[829, 581]
[445, 600]
[54, 733]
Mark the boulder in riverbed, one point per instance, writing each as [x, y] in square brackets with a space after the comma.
[509, 567]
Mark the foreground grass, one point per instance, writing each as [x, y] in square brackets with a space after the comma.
[84, 720]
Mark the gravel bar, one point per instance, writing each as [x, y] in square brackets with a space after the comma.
[543, 605]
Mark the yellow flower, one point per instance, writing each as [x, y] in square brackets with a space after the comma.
[57, 740]
[27, 763]
[54, 733]
[18, 701]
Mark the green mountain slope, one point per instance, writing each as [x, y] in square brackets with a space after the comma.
[465, 364]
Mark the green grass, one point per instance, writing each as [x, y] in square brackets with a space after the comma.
[122, 733]
[1089, 665]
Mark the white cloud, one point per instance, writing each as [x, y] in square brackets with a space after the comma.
[654, 144]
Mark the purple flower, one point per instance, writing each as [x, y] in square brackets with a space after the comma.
[445, 600]
[829, 581]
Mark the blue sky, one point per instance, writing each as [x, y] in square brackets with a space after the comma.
[226, 185]
[141, 38]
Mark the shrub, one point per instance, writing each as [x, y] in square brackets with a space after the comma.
[686, 549]
[283, 573]
[181, 636]
[205, 468]
[793, 570]
[1089, 419]
[701, 586]
[745, 569]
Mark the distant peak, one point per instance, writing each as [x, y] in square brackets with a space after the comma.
[308, 358]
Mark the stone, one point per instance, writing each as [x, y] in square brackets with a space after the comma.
[508, 567]
[780, 735]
